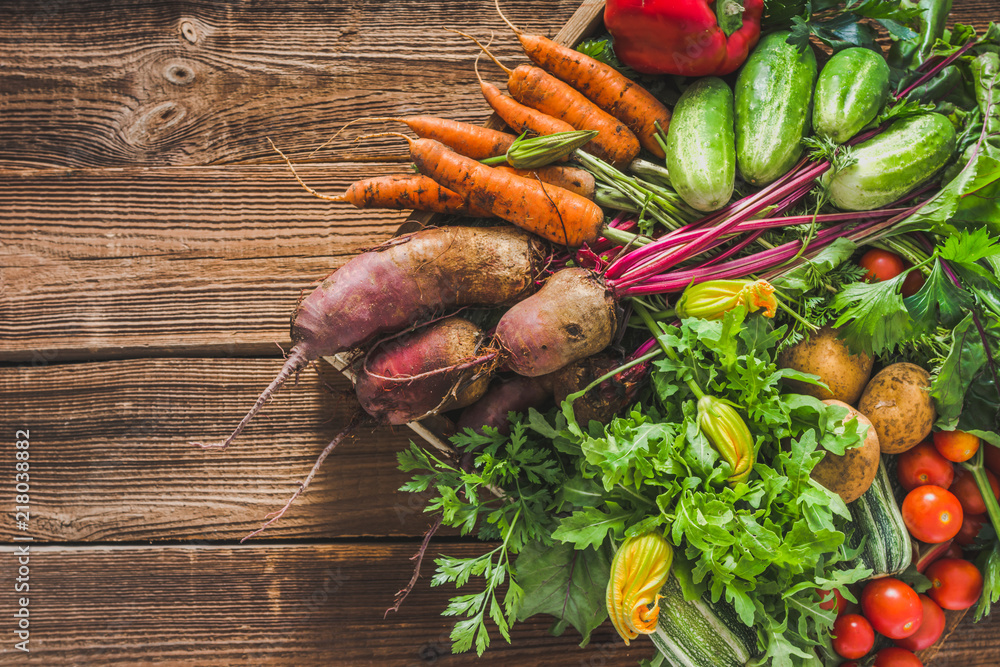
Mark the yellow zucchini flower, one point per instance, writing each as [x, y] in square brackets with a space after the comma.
[638, 572]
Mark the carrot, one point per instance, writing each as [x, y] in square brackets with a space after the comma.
[569, 178]
[398, 191]
[602, 84]
[549, 211]
[466, 139]
[401, 282]
[536, 88]
[570, 318]
[420, 373]
[519, 117]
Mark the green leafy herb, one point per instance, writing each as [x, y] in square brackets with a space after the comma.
[873, 317]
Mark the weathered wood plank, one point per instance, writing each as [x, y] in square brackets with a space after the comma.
[99, 263]
[283, 604]
[292, 604]
[189, 83]
[110, 459]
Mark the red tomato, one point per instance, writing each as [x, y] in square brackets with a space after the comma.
[956, 446]
[912, 283]
[932, 514]
[991, 458]
[896, 657]
[955, 583]
[924, 465]
[930, 629]
[853, 636]
[893, 607]
[968, 494]
[881, 265]
[971, 525]
[837, 601]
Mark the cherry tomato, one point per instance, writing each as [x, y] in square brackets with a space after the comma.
[892, 607]
[932, 514]
[924, 465]
[955, 583]
[971, 525]
[931, 627]
[853, 636]
[881, 265]
[837, 601]
[956, 446]
[912, 283]
[991, 458]
[896, 657]
[968, 494]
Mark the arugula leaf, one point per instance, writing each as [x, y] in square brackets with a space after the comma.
[567, 583]
[873, 317]
[591, 527]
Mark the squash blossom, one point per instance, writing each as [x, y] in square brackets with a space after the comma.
[638, 572]
[712, 299]
[729, 435]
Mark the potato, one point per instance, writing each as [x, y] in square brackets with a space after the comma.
[827, 356]
[850, 475]
[898, 403]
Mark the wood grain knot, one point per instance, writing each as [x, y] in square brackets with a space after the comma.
[189, 31]
[152, 122]
[179, 73]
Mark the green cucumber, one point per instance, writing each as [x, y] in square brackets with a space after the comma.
[893, 163]
[877, 519]
[773, 99]
[850, 91]
[700, 632]
[701, 158]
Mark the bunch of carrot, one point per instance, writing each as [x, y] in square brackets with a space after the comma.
[398, 304]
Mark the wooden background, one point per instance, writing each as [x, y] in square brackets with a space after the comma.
[151, 250]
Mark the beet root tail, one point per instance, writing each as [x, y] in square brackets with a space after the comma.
[304, 484]
[295, 362]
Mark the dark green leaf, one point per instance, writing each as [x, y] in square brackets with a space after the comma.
[939, 301]
[564, 582]
[964, 361]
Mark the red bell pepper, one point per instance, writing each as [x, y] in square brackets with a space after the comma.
[681, 36]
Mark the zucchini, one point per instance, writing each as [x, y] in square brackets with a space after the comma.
[893, 163]
[877, 519]
[850, 91]
[773, 105]
[701, 632]
[701, 158]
